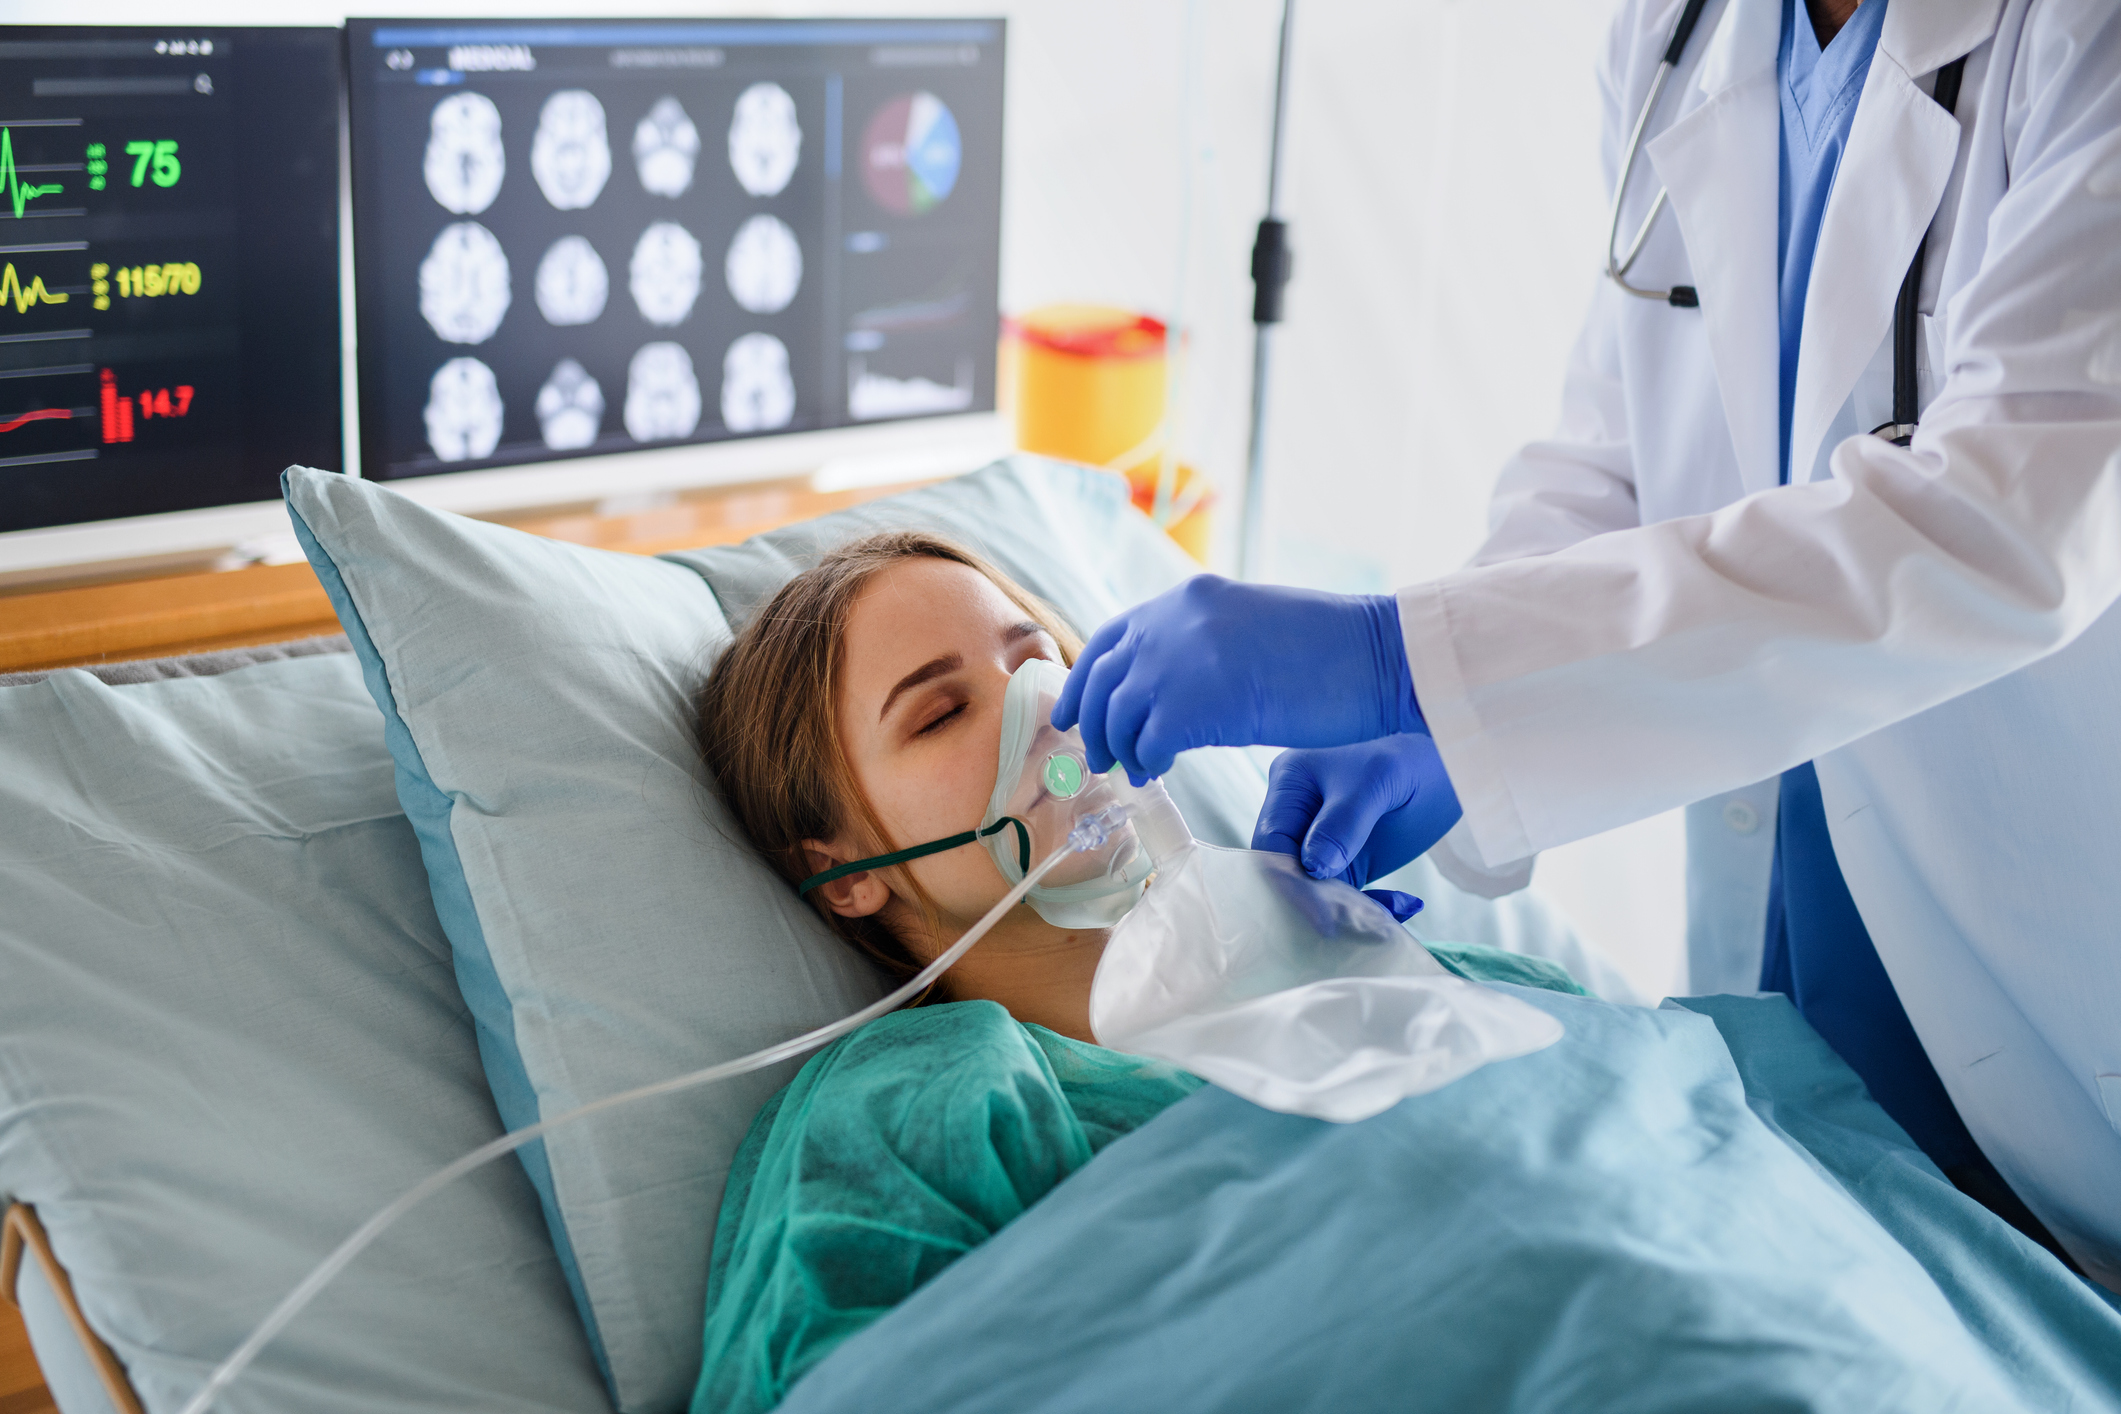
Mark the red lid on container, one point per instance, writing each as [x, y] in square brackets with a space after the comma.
[1090, 331]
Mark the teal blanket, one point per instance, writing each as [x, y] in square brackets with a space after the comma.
[900, 1148]
[1670, 1210]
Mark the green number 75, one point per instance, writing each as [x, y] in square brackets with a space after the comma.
[161, 156]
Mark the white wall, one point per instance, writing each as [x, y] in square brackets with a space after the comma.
[1446, 217]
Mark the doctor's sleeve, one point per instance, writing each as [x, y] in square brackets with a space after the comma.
[1637, 671]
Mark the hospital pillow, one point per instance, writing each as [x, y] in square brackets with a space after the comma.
[228, 1033]
[610, 926]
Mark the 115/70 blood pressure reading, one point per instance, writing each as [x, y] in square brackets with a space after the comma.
[175, 277]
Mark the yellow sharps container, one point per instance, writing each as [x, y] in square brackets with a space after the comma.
[1087, 384]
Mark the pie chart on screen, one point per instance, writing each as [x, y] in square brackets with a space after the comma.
[911, 154]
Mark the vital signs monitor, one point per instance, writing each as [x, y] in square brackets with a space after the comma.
[169, 267]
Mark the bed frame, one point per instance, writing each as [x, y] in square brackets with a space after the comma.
[21, 1233]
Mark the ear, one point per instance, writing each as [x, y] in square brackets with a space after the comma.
[855, 895]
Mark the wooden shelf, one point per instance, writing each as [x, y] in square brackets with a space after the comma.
[195, 613]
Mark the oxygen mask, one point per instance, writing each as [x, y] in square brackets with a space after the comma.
[1044, 781]
[1044, 792]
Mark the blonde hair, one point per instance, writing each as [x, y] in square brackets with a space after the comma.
[768, 727]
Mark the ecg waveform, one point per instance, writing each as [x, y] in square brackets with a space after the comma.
[19, 192]
[23, 419]
[26, 296]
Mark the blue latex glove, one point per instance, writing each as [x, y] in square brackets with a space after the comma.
[1400, 906]
[1356, 813]
[1216, 662]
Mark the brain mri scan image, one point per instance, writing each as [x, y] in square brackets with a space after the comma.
[463, 411]
[464, 284]
[764, 267]
[665, 274]
[570, 156]
[662, 394]
[555, 192]
[570, 408]
[765, 140]
[758, 393]
[572, 284]
[666, 147]
[464, 163]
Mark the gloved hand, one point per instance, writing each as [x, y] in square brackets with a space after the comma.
[1356, 813]
[1216, 662]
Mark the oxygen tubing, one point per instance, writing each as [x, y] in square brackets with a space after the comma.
[1090, 832]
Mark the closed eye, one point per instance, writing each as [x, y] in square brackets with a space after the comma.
[954, 712]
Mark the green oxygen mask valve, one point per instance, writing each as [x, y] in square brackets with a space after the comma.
[1042, 777]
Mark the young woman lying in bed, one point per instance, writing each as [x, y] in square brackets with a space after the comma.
[860, 713]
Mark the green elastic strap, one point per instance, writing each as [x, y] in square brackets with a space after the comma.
[922, 851]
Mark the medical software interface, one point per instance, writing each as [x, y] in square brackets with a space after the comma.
[169, 267]
[576, 238]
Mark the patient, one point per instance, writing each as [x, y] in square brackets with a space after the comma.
[859, 714]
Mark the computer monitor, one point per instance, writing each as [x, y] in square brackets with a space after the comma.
[169, 267]
[587, 237]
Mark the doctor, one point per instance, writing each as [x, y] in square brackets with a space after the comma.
[1717, 578]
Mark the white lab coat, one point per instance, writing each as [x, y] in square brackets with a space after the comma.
[1653, 621]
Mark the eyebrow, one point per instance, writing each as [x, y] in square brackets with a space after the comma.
[933, 668]
[949, 663]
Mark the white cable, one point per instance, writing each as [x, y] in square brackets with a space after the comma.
[1089, 833]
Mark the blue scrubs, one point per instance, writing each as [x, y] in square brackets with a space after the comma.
[1818, 951]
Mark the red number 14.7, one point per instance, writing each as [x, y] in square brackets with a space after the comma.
[158, 402]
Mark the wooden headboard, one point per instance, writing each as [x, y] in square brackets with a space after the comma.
[165, 615]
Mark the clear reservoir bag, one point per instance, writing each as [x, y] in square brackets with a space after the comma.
[1302, 995]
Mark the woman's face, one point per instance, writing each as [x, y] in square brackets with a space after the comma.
[929, 650]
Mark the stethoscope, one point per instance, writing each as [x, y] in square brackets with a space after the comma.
[1906, 323]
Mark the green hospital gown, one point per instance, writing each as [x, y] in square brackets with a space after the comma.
[894, 1152]
[900, 1148]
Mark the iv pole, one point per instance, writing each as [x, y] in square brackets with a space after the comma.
[1270, 275]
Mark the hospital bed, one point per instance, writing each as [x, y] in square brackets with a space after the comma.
[288, 928]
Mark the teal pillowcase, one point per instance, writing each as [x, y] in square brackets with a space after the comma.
[229, 1033]
[609, 925]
